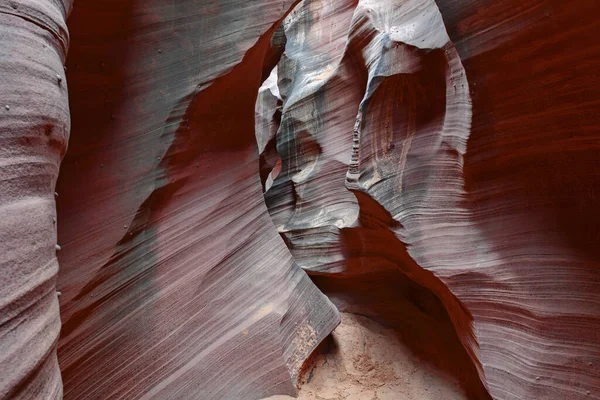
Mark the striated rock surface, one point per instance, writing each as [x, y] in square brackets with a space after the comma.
[34, 129]
[431, 164]
[531, 188]
[469, 172]
[174, 281]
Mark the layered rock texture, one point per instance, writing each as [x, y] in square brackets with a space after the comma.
[431, 165]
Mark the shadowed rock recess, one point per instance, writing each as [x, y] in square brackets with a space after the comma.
[323, 199]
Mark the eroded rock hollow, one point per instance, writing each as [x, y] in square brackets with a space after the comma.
[192, 191]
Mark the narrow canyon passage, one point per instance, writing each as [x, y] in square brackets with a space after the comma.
[336, 230]
[313, 199]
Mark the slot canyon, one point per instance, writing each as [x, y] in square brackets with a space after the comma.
[312, 199]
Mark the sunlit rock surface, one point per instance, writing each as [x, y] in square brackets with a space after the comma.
[432, 165]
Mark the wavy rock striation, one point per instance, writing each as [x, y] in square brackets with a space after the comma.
[418, 192]
[431, 165]
[175, 283]
[34, 130]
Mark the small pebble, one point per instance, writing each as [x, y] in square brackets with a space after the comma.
[537, 378]
[57, 247]
[58, 294]
[55, 194]
[59, 78]
[7, 107]
[124, 226]
[159, 51]
[54, 219]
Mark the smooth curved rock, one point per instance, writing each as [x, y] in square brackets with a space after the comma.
[531, 188]
[175, 283]
[432, 165]
[515, 271]
[34, 129]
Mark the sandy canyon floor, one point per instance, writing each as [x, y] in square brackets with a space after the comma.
[362, 360]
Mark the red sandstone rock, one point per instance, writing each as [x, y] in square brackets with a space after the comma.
[34, 129]
[432, 165]
[470, 158]
[175, 283]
